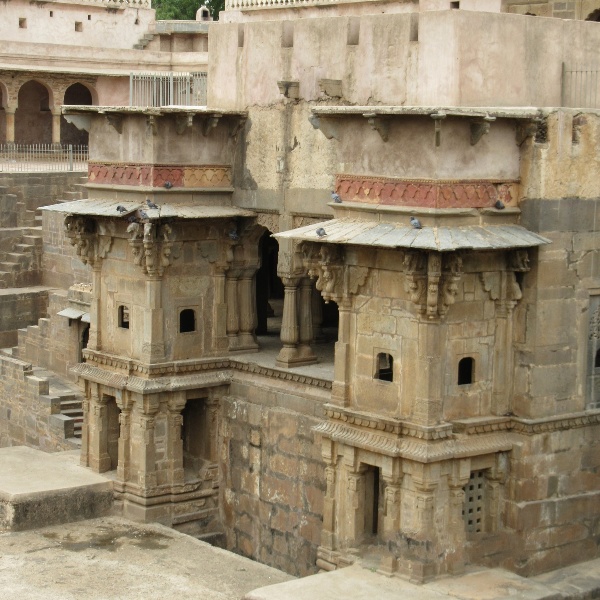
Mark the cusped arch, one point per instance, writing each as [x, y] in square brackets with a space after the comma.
[594, 15]
[75, 94]
[4, 95]
[26, 86]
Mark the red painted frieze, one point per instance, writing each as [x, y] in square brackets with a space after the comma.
[178, 176]
[424, 193]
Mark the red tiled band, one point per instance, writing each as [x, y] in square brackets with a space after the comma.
[426, 194]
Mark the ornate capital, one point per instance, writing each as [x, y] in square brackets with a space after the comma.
[152, 246]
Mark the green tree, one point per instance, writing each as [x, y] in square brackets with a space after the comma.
[185, 10]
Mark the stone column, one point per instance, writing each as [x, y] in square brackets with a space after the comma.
[220, 311]
[503, 359]
[391, 506]
[9, 111]
[339, 388]
[94, 341]
[317, 315]
[355, 509]
[328, 533]
[142, 441]
[306, 355]
[99, 459]
[288, 355]
[175, 446]
[123, 465]
[247, 298]
[456, 527]
[84, 457]
[233, 317]
[56, 125]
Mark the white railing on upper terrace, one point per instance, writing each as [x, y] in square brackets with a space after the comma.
[27, 158]
[165, 89]
[580, 87]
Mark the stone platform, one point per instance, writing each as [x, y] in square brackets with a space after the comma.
[38, 489]
[579, 582]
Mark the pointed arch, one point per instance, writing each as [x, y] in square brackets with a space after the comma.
[33, 117]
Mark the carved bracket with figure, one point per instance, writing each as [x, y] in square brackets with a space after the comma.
[92, 241]
[502, 285]
[152, 246]
[335, 280]
[432, 281]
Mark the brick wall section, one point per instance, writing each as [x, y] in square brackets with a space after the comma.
[25, 411]
[273, 477]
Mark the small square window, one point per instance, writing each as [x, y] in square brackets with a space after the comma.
[454, 4]
[78, 26]
[51, 13]
[22, 23]
[89, 17]
[124, 317]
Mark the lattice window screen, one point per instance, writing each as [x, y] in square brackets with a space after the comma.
[474, 508]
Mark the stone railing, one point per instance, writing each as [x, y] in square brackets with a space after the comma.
[118, 4]
[265, 4]
[180, 27]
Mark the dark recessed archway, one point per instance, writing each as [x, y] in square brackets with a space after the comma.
[33, 119]
[78, 95]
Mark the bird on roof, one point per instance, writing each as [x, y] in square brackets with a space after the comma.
[132, 219]
[415, 223]
[121, 209]
[336, 197]
[321, 232]
[150, 203]
[499, 204]
[143, 214]
[168, 185]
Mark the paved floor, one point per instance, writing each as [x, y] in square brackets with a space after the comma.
[112, 558]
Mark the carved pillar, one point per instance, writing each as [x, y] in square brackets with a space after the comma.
[123, 465]
[153, 346]
[9, 111]
[247, 298]
[317, 315]
[56, 125]
[143, 442]
[328, 532]
[391, 506]
[288, 355]
[220, 312]
[233, 318]
[455, 556]
[94, 341]
[305, 352]
[99, 459]
[174, 442]
[339, 388]
[85, 447]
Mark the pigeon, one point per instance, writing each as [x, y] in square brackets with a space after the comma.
[144, 214]
[415, 223]
[233, 235]
[168, 185]
[336, 197]
[499, 204]
[321, 232]
[132, 219]
[121, 209]
[150, 203]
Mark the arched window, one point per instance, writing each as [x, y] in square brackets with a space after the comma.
[384, 367]
[124, 316]
[466, 369]
[187, 320]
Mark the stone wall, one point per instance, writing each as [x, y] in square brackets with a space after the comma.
[25, 409]
[572, 9]
[18, 310]
[272, 474]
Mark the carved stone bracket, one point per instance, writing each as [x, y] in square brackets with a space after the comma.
[92, 242]
[335, 280]
[151, 124]
[237, 127]
[327, 126]
[438, 118]
[525, 130]
[331, 87]
[431, 281]
[381, 126]
[290, 89]
[152, 247]
[210, 123]
[115, 121]
[183, 122]
[479, 128]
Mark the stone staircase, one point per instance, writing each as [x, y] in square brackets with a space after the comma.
[22, 266]
[144, 41]
[65, 402]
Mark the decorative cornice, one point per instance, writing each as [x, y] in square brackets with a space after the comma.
[558, 423]
[441, 193]
[157, 175]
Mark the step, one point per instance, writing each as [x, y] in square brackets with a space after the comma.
[9, 267]
[24, 248]
[18, 258]
[32, 240]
